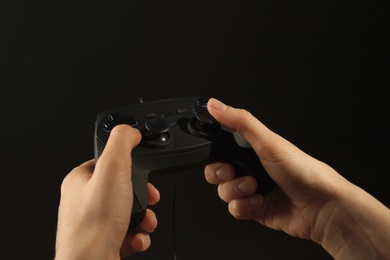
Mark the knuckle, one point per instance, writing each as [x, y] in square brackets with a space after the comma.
[247, 118]
[123, 128]
[245, 114]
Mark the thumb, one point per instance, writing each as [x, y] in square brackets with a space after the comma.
[115, 160]
[242, 121]
[277, 155]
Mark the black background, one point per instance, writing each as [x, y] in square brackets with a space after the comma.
[316, 72]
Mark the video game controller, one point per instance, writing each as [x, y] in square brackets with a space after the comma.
[177, 134]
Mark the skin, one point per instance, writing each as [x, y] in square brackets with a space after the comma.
[96, 202]
[311, 200]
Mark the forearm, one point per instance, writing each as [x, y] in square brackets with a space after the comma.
[357, 227]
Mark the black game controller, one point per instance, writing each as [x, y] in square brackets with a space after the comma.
[177, 134]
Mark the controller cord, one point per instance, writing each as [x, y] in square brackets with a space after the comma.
[173, 216]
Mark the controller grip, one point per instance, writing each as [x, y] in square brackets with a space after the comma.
[243, 158]
[140, 174]
[251, 165]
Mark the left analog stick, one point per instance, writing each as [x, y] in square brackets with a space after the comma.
[157, 133]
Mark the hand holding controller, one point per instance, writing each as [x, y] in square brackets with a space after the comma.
[177, 134]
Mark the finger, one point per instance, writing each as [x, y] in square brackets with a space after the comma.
[138, 239]
[115, 161]
[239, 120]
[269, 146]
[153, 195]
[148, 223]
[134, 243]
[244, 208]
[277, 155]
[237, 188]
[217, 173]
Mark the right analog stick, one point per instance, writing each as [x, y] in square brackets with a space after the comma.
[204, 125]
[206, 119]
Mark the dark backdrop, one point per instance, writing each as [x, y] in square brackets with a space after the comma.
[316, 72]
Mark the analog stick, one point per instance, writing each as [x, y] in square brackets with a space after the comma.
[157, 133]
[204, 125]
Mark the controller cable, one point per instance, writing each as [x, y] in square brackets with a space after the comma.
[173, 216]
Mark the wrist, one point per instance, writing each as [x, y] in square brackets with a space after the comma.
[355, 225]
[85, 245]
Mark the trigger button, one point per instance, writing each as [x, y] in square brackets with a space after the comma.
[241, 141]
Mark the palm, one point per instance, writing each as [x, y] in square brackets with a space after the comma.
[281, 212]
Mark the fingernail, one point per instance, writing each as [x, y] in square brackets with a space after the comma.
[245, 186]
[155, 221]
[222, 173]
[218, 105]
[144, 243]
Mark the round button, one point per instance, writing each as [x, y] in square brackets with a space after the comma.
[204, 125]
[204, 117]
[202, 101]
[157, 134]
[157, 126]
[197, 108]
[114, 117]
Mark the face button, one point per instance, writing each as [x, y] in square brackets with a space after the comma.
[197, 108]
[181, 111]
[114, 119]
[108, 126]
[151, 115]
[202, 101]
[130, 120]
[166, 114]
